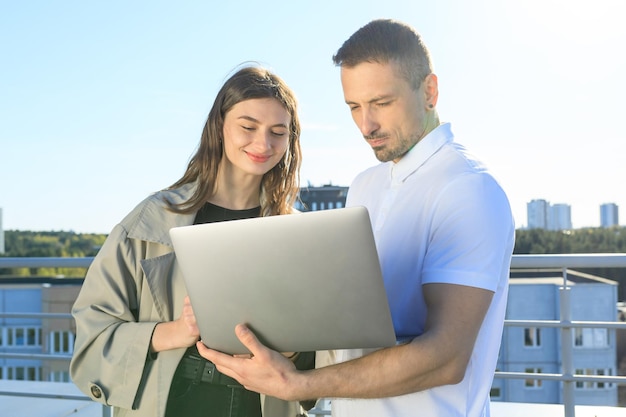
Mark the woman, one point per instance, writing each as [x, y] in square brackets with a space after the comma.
[135, 328]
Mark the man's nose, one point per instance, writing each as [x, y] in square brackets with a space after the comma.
[367, 123]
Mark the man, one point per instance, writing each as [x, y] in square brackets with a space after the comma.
[445, 235]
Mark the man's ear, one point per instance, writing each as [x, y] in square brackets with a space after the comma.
[431, 90]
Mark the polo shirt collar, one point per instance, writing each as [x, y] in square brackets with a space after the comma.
[421, 152]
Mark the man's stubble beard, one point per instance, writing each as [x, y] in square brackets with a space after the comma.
[396, 151]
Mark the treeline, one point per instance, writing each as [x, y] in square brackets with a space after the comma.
[49, 245]
[535, 241]
[587, 240]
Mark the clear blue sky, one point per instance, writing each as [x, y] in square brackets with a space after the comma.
[102, 103]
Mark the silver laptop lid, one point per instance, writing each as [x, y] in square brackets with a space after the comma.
[302, 282]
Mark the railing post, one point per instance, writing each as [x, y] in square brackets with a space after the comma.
[566, 348]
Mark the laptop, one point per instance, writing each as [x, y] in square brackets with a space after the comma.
[302, 282]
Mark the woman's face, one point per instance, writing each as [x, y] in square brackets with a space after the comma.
[256, 136]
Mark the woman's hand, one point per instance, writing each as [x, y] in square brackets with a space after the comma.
[180, 333]
[292, 356]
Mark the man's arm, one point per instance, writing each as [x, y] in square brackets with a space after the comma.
[437, 357]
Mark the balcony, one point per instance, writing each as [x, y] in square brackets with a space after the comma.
[63, 398]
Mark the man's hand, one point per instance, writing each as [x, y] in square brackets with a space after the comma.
[265, 371]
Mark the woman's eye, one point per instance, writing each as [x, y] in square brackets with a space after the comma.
[247, 128]
[279, 134]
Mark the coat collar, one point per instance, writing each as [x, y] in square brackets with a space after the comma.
[154, 220]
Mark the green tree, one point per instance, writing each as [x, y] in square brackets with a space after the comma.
[50, 244]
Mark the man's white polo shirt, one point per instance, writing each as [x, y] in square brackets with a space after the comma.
[438, 216]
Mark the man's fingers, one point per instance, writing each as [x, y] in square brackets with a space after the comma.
[218, 358]
[248, 339]
[229, 364]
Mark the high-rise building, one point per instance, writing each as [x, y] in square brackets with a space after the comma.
[609, 215]
[543, 215]
[537, 213]
[1, 233]
[560, 217]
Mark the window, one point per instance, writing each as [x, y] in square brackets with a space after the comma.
[20, 340]
[532, 337]
[20, 336]
[22, 373]
[591, 338]
[533, 383]
[61, 342]
[600, 372]
[495, 392]
[591, 384]
[60, 376]
[32, 336]
[32, 373]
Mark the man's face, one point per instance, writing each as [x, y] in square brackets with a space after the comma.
[388, 112]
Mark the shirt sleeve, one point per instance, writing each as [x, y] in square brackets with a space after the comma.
[472, 233]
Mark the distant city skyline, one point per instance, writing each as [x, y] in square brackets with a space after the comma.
[542, 214]
[537, 216]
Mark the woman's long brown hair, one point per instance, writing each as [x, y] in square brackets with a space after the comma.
[280, 185]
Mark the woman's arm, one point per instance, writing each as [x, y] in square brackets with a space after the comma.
[180, 333]
[111, 346]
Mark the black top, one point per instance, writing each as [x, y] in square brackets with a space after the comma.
[210, 213]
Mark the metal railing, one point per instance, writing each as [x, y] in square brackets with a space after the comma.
[565, 324]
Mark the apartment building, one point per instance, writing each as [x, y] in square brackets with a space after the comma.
[536, 296]
[322, 198]
[33, 334]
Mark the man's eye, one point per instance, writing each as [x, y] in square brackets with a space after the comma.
[383, 104]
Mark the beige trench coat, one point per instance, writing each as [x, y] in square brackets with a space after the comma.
[134, 283]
